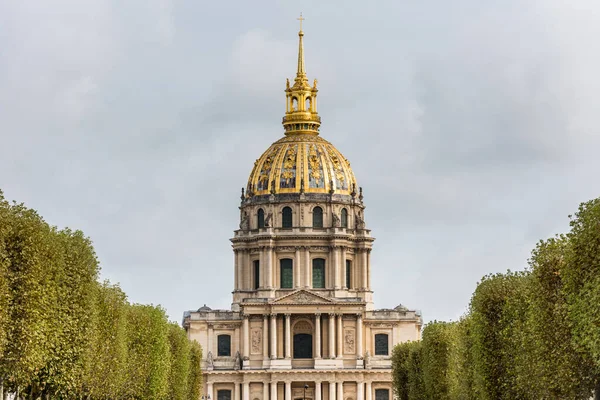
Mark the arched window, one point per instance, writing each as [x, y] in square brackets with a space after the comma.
[286, 273]
[318, 273]
[224, 346]
[344, 218]
[381, 344]
[308, 104]
[286, 217]
[317, 217]
[294, 104]
[261, 218]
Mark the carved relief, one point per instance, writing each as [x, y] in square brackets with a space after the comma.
[256, 341]
[319, 248]
[349, 341]
[285, 248]
[302, 327]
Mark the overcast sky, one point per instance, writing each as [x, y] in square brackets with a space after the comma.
[473, 127]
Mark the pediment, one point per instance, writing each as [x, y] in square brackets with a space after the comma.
[302, 297]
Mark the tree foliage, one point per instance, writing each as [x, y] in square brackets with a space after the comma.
[527, 335]
[65, 335]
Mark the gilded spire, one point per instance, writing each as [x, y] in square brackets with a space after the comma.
[301, 73]
[301, 107]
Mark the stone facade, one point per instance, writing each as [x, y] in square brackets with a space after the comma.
[302, 324]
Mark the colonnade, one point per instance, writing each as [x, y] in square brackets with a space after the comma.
[270, 340]
[302, 258]
[364, 391]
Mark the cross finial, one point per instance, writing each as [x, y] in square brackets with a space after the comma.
[300, 19]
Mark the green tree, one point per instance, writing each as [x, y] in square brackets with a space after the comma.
[460, 363]
[148, 353]
[30, 253]
[416, 386]
[435, 350]
[5, 227]
[194, 383]
[180, 362]
[581, 279]
[400, 360]
[494, 309]
[554, 368]
[106, 358]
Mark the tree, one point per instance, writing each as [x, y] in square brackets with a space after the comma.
[5, 226]
[416, 387]
[148, 359]
[400, 362]
[554, 368]
[106, 358]
[435, 349]
[493, 309]
[180, 362]
[581, 278]
[460, 362]
[194, 379]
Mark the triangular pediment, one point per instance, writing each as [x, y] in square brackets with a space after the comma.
[302, 297]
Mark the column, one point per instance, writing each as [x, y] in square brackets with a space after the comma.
[269, 266]
[288, 390]
[209, 390]
[210, 338]
[331, 335]
[359, 390]
[265, 391]
[340, 392]
[335, 267]
[247, 272]
[343, 267]
[245, 391]
[288, 337]
[261, 270]
[359, 335]
[332, 391]
[317, 390]
[340, 336]
[363, 262]
[368, 391]
[318, 336]
[273, 390]
[307, 270]
[368, 268]
[297, 269]
[246, 352]
[236, 275]
[265, 336]
[236, 391]
[273, 336]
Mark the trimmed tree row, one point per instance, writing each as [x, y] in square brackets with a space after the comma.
[64, 335]
[527, 335]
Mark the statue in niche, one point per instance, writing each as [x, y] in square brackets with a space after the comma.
[367, 360]
[209, 360]
[360, 223]
[237, 363]
[244, 223]
[336, 220]
[268, 220]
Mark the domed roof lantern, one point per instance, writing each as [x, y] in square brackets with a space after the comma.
[301, 115]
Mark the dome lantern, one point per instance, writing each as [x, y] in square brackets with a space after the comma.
[301, 115]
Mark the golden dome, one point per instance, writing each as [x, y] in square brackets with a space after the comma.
[301, 163]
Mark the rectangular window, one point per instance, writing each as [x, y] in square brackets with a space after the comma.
[223, 395]
[348, 274]
[256, 274]
[318, 273]
[224, 346]
[381, 344]
[382, 394]
[286, 273]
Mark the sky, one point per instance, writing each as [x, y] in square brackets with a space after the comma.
[472, 127]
